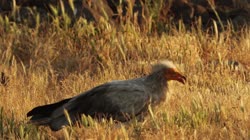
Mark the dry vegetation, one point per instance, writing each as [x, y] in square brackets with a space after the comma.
[49, 63]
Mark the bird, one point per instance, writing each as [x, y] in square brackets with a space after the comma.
[120, 100]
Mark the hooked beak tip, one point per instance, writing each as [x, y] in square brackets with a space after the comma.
[182, 79]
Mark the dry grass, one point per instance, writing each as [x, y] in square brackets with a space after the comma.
[48, 63]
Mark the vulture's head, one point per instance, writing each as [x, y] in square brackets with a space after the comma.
[169, 71]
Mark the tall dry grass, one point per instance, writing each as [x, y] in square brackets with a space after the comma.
[50, 63]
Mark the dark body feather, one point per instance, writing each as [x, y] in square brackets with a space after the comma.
[120, 100]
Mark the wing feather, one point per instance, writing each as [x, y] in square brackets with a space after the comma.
[111, 99]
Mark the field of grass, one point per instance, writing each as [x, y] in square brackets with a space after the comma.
[48, 63]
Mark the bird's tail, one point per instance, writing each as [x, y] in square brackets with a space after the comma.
[41, 115]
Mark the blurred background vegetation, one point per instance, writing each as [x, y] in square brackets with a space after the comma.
[54, 49]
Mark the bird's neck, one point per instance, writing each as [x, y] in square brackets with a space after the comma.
[157, 86]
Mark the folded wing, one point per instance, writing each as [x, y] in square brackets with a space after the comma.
[119, 100]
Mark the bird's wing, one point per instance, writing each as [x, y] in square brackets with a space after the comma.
[121, 98]
[114, 98]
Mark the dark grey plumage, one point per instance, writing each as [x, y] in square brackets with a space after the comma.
[120, 100]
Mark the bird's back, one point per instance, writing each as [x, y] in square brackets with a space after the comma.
[112, 99]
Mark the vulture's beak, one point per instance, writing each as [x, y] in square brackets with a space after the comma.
[181, 79]
[174, 74]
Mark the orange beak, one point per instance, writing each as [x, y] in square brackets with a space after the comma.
[173, 74]
[181, 79]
